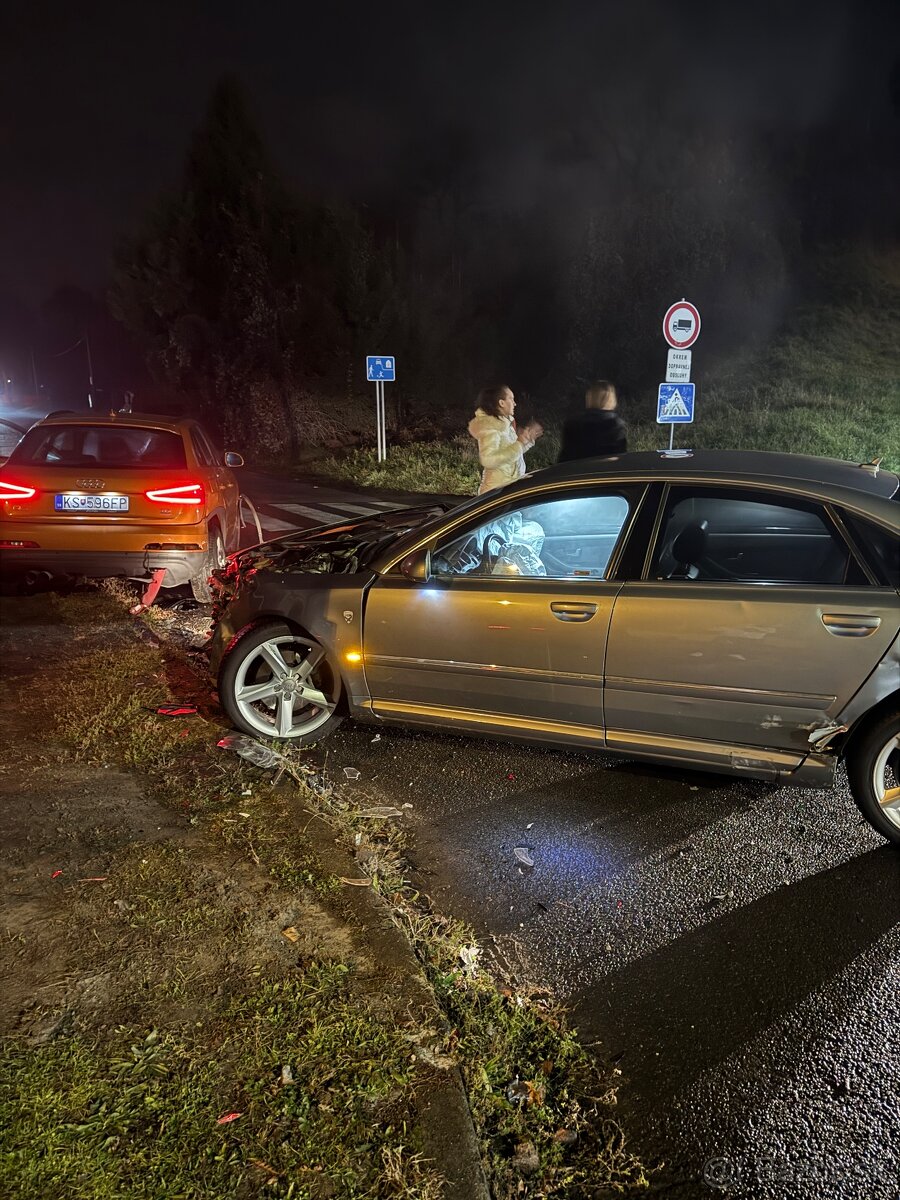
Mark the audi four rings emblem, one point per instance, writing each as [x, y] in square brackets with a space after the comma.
[91, 485]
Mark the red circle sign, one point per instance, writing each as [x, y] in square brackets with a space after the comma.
[681, 325]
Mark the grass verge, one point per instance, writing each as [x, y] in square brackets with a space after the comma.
[131, 1111]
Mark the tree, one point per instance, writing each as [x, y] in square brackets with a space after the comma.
[241, 292]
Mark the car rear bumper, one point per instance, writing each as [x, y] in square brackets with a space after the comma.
[179, 565]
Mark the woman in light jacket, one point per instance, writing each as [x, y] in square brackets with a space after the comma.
[501, 447]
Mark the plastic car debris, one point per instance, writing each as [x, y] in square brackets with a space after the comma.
[287, 1075]
[355, 881]
[469, 958]
[56, 874]
[351, 773]
[386, 810]
[151, 592]
[176, 710]
[523, 855]
[227, 1118]
[291, 934]
[261, 756]
[518, 1091]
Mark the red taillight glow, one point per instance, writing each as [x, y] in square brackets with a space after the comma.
[189, 493]
[16, 492]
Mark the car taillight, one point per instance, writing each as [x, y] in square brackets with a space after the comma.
[16, 492]
[188, 493]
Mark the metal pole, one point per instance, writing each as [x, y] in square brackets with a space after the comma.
[378, 418]
[671, 435]
[383, 425]
[87, 342]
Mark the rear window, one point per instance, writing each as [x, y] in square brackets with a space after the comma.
[101, 446]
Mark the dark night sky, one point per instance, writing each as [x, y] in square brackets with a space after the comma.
[97, 102]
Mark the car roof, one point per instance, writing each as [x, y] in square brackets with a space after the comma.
[827, 478]
[139, 420]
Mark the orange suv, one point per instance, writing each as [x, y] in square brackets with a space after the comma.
[119, 495]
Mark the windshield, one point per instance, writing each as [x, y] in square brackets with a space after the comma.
[108, 446]
[411, 536]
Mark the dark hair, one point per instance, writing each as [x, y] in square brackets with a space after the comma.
[489, 399]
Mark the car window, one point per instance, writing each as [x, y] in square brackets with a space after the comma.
[100, 445]
[568, 537]
[880, 545]
[713, 535]
[202, 449]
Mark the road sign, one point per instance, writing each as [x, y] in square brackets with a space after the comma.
[681, 325]
[678, 366]
[675, 404]
[381, 368]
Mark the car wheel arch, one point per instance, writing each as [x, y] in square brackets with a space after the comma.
[277, 618]
[887, 704]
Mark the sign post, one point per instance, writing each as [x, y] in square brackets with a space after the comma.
[381, 369]
[675, 400]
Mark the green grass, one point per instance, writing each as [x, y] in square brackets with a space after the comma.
[134, 1117]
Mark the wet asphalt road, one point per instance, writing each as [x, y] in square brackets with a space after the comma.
[733, 945]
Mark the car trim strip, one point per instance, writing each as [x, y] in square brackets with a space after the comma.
[706, 691]
[495, 670]
[426, 713]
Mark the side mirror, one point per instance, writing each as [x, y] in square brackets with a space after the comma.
[416, 567]
[233, 459]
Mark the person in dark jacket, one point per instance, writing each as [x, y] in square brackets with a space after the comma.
[598, 430]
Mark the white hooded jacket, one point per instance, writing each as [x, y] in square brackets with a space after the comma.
[501, 454]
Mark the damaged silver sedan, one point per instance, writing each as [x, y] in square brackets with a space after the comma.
[723, 611]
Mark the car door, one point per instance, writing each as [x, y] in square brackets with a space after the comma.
[509, 630]
[222, 481]
[753, 627]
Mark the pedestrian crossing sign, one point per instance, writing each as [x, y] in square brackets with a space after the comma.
[675, 404]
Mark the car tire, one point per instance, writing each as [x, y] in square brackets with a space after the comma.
[213, 560]
[269, 689]
[873, 768]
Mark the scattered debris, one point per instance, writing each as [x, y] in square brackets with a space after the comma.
[176, 710]
[287, 1075]
[694, 788]
[185, 604]
[291, 933]
[262, 756]
[386, 810]
[356, 882]
[469, 957]
[376, 738]
[510, 776]
[518, 1091]
[351, 773]
[227, 1118]
[94, 879]
[529, 825]
[525, 1159]
[150, 594]
[56, 874]
[407, 805]
[523, 855]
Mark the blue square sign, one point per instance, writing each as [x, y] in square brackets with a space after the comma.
[381, 368]
[675, 404]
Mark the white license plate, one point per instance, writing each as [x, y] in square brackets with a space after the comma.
[74, 502]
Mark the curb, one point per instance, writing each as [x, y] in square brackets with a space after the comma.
[450, 1138]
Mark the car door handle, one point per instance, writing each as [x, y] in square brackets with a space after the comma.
[565, 611]
[850, 624]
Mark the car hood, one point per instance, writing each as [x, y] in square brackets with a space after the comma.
[341, 549]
